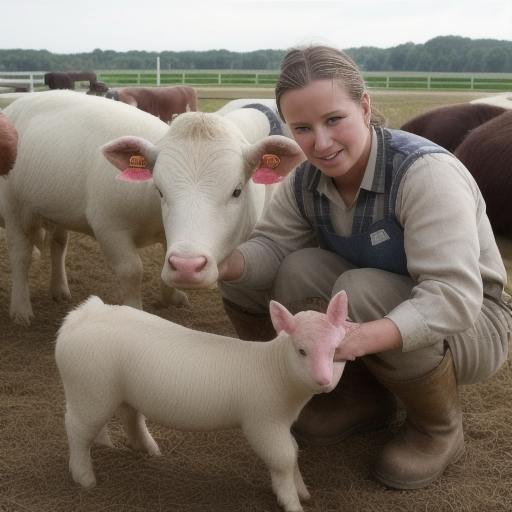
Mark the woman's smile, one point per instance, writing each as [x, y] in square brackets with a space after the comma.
[330, 127]
[331, 157]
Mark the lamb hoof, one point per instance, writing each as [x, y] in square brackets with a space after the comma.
[85, 481]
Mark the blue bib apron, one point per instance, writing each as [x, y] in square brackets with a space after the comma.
[377, 239]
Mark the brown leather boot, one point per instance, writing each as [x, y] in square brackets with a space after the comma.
[357, 404]
[249, 326]
[431, 437]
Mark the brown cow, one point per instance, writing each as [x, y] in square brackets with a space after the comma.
[8, 145]
[449, 125]
[162, 102]
[487, 153]
[67, 79]
[98, 89]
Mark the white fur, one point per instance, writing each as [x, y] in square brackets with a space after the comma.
[500, 100]
[61, 178]
[245, 118]
[117, 358]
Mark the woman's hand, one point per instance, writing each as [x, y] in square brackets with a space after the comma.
[232, 267]
[368, 338]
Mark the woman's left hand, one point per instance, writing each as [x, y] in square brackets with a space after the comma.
[368, 338]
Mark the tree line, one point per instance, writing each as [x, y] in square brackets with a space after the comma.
[441, 54]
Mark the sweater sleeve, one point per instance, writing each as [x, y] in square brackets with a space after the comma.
[447, 234]
[280, 231]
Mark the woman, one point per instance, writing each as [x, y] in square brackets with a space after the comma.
[400, 224]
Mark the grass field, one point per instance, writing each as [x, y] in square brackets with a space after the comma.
[396, 106]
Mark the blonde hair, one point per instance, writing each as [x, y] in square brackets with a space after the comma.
[302, 66]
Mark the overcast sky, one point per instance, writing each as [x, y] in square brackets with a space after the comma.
[75, 26]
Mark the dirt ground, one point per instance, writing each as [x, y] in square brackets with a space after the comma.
[210, 472]
[204, 472]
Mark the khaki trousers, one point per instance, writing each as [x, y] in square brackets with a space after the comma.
[478, 353]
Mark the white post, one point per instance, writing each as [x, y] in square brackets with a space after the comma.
[158, 71]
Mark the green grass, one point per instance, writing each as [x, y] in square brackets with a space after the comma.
[396, 106]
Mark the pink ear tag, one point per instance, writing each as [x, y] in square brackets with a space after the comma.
[137, 170]
[264, 174]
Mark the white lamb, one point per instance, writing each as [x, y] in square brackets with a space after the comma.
[119, 358]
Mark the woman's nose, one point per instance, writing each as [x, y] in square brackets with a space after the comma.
[322, 140]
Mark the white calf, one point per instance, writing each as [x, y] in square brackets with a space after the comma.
[202, 167]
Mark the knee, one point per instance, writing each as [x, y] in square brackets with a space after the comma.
[361, 295]
[306, 273]
[295, 265]
[405, 366]
[355, 283]
[372, 293]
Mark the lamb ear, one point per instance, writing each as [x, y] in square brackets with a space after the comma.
[337, 310]
[134, 156]
[282, 319]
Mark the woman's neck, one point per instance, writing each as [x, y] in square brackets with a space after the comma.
[348, 185]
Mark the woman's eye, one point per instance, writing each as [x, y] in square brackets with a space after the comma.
[333, 120]
[301, 129]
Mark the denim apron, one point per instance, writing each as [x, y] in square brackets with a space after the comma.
[377, 239]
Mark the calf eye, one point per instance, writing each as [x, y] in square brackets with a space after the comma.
[302, 352]
[237, 191]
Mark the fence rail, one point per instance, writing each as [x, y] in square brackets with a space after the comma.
[448, 81]
[408, 81]
[206, 78]
[21, 80]
[451, 82]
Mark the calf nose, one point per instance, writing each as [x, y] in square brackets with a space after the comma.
[187, 265]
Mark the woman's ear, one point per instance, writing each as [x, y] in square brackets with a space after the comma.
[367, 110]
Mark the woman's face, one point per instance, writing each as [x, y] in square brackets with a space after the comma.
[330, 127]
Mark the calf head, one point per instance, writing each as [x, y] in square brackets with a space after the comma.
[315, 337]
[203, 169]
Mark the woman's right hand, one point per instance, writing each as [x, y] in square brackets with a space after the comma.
[232, 267]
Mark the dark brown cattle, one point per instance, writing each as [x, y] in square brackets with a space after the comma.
[8, 145]
[162, 102]
[449, 125]
[66, 80]
[487, 153]
[98, 89]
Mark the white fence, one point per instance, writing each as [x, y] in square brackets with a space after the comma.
[497, 82]
[19, 79]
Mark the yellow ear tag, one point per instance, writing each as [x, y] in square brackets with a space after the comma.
[270, 161]
[137, 171]
[265, 174]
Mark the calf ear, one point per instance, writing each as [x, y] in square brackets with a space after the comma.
[134, 156]
[269, 160]
[282, 319]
